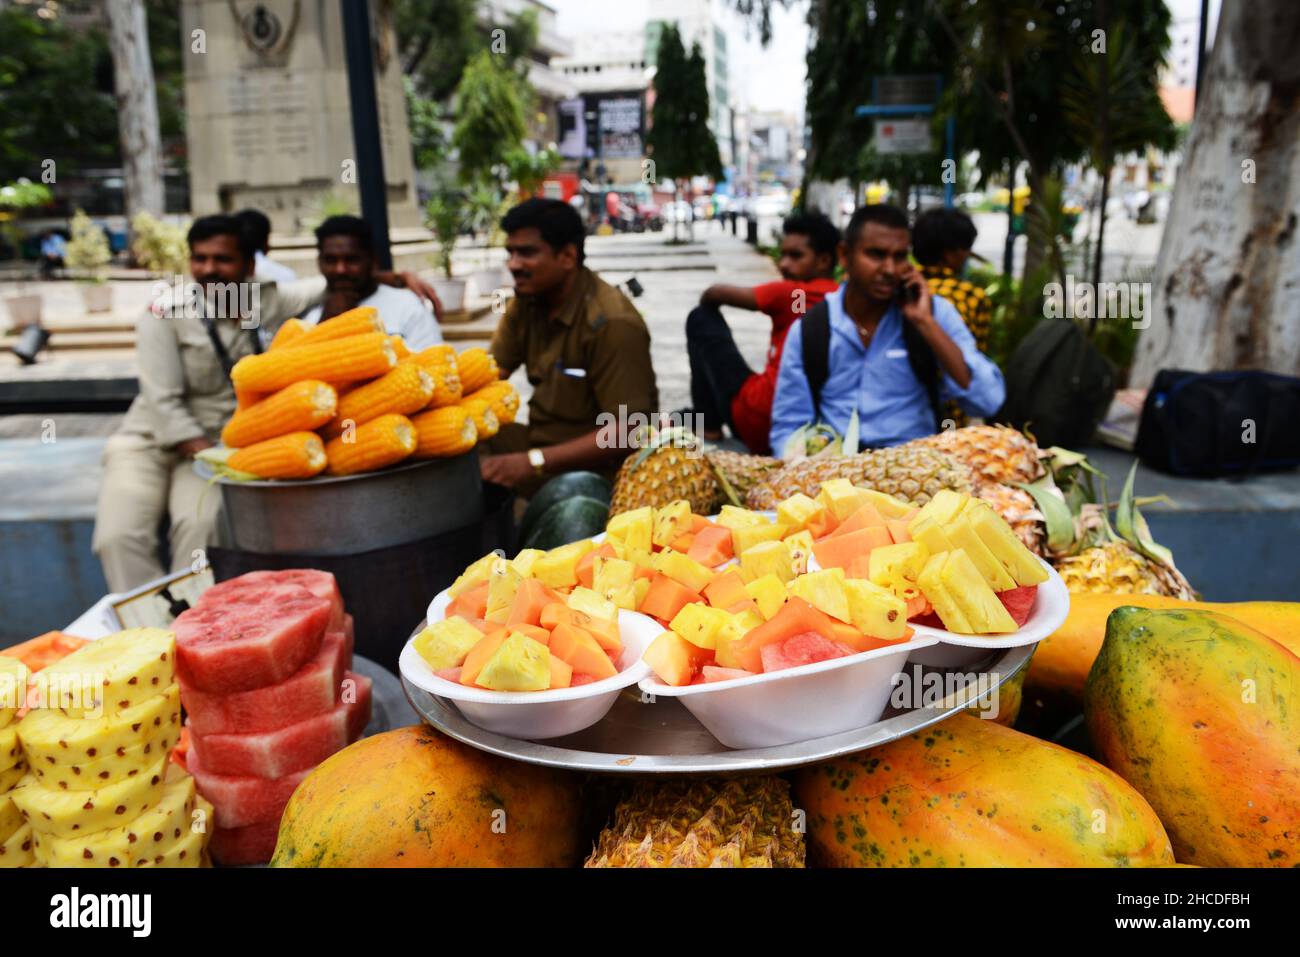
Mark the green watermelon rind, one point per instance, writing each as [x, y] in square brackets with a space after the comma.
[562, 488]
[568, 521]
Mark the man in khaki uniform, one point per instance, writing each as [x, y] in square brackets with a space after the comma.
[185, 399]
[585, 346]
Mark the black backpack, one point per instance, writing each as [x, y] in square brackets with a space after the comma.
[817, 364]
[1212, 424]
[1059, 385]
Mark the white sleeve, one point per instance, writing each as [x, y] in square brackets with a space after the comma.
[417, 324]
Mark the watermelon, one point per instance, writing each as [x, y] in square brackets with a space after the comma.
[714, 673]
[581, 678]
[274, 754]
[253, 844]
[569, 520]
[801, 649]
[312, 690]
[240, 800]
[450, 674]
[317, 582]
[1019, 602]
[562, 487]
[249, 637]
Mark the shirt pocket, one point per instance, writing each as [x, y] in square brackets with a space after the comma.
[203, 372]
[566, 393]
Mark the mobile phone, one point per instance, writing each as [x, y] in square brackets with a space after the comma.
[908, 292]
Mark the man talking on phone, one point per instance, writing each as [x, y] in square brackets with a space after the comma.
[881, 345]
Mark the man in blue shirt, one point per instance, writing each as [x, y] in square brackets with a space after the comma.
[871, 356]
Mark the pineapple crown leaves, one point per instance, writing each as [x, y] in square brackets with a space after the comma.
[1133, 527]
[651, 440]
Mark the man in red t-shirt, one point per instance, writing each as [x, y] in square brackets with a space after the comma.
[723, 387]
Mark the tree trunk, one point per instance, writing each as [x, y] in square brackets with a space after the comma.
[1229, 261]
[137, 107]
[1101, 245]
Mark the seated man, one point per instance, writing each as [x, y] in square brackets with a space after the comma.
[941, 243]
[586, 349]
[184, 363]
[184, 354]
[881, 345]
[723, 387]
[345, 248]
[258, 227]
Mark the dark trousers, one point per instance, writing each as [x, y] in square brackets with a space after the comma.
[718, 370]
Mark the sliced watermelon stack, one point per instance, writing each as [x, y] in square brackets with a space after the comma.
[264, 664]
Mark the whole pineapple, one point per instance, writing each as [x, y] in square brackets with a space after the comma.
[742, 471]
[670, 465]
[995, 452]
[913, 474]
[1117, 568]
[703, 823]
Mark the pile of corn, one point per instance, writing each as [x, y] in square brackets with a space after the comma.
[345, 397]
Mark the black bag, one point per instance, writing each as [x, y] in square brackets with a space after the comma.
[1213, 424]
[816, 332]
[1059, 385]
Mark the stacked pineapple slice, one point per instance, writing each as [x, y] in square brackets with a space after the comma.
[101, 791]
[15, 833]
[961, 555]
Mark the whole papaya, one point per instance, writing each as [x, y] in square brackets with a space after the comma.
[416, 798]
[1201, 713]
[971, 793]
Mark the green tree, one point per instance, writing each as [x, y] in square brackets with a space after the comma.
[679, 142]
[492, 106]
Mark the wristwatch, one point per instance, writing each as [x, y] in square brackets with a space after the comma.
[537, 460]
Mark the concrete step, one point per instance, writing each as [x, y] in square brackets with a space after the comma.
[61, 341]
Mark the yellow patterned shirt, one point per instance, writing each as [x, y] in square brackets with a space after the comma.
[975, 308]
[971, 301]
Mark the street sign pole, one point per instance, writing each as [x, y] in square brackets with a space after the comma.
[904, 97]
[365, 125]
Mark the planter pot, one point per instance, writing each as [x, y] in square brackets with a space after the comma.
[98, 297]
[488, 281]
[451, 292]
[24, 310]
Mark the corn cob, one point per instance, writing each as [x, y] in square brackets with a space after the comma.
[477, 368]
[298, 455]
[377, 444]
[340, 360]
[244, 399]
[503, 399]
[485, 420]
[440, 362]
[444, 432]
[290, 332]
[406, 389]
[302, 407]
[354, 322]
[400, 348]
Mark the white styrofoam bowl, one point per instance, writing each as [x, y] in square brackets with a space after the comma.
[533, 715]
[795, 704]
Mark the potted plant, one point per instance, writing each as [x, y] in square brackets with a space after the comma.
[88, 253]
[447, 214]
[24, 307]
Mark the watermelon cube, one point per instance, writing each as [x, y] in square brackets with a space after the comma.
[240, 800]
[801, 649]
[1019, 602]
[275, 754]
[249, 637]
[714, 673]
[254, 844]
[322, 584]
[312, 690]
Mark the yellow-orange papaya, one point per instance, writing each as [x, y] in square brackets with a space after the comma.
[1201, 714]
[971, 793]
[1062, 660]
[415, 798]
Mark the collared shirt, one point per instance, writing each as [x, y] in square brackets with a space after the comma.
[184, 391]
[403, 313]
[268, 270]
[592, 357]
[971, 301]
[877, 380]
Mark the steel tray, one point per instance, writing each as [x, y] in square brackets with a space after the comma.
[662, 737]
